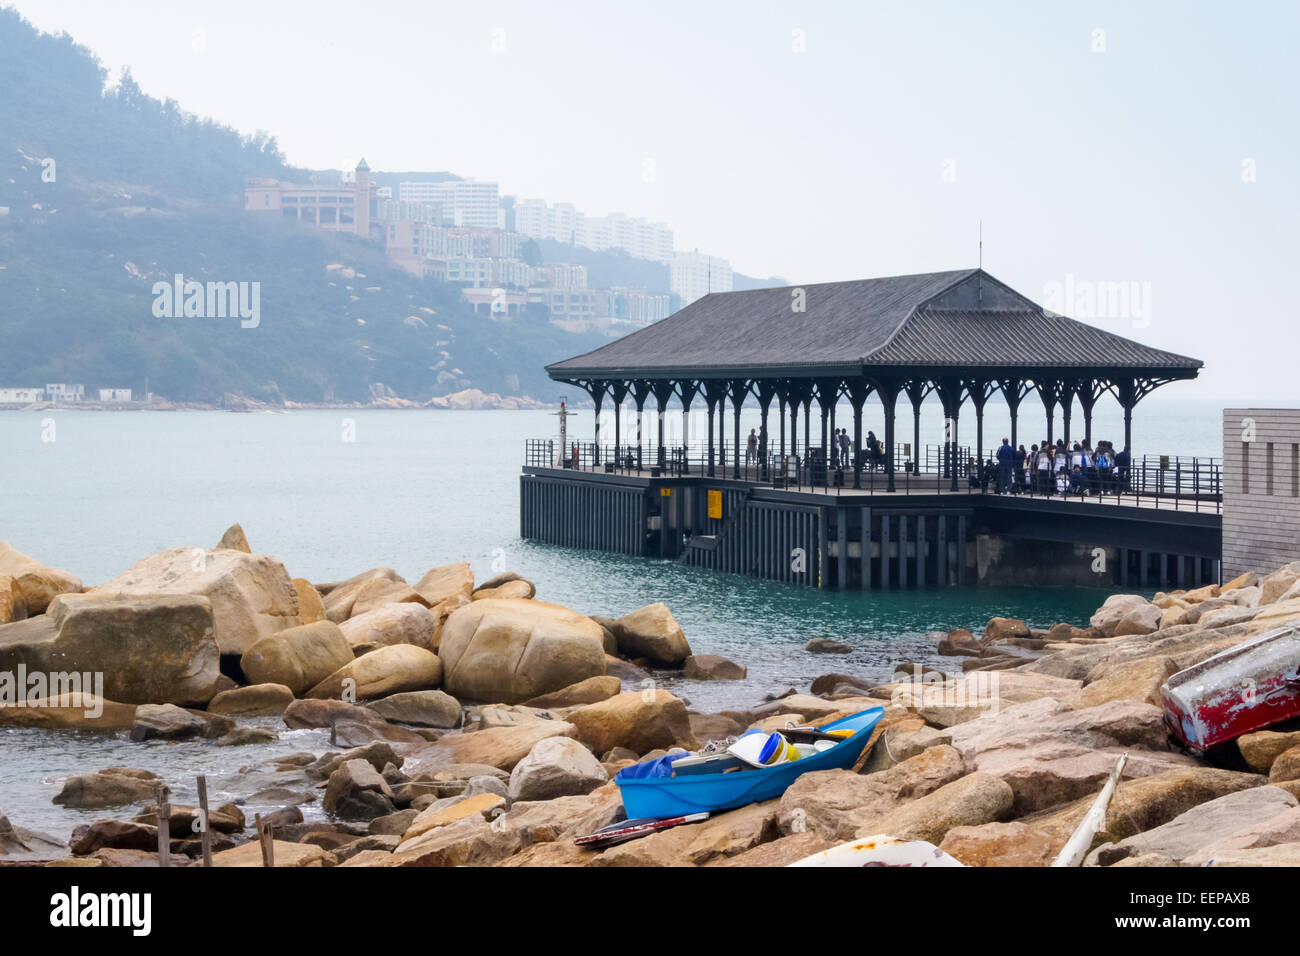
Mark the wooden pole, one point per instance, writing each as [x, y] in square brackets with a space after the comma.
[164, 826]
[267, 840]
[205, 835]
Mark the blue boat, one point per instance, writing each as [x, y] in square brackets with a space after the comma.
[650, 790]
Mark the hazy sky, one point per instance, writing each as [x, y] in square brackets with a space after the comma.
[1149, 143]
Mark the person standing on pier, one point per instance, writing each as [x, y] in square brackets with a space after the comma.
[751, 448]
[1006, 465]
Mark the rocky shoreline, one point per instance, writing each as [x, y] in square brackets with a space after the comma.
[471, 723]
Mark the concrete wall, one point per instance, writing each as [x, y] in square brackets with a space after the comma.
[1261, 489]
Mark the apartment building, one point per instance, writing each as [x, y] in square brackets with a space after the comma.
[337, 207]
[693, 275]
[465, 202]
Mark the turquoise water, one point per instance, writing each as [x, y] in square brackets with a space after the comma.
[93, 492]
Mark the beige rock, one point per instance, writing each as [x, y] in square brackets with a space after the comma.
[973, 800]
[1244, 580]
[300, 657]
[470, 842]
[1114, 610]
[1002, 628]
[450, 585]
[33, 585]
[780, 852]
[252, 596]
[1277, 584]
[556, 767]
[1139, 620]
[1050, 754]
[72, 711]
[1000, 844]
[481, 805]
[721, 836]
[255, 700]
[156, 648]
[1263, 747]
[652, 632]
[234, 540]
[641, 721]
[283, 854]
[110, 787]
[1200, 826]
[1286, 766]
[377, 593]
[510, 651]
[397, 623]
[1244, 597]
[341, 598]
[712, 667]
[518, 590]
[310, 606]
[505, 577]
[395, 669]
[421, 708]
[500, 747]
[589, 691]
[1128, 680]
[839, 803]
[11, 607]
[1143, 803]
[1284, 828]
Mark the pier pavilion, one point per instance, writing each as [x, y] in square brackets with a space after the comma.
[961, 336]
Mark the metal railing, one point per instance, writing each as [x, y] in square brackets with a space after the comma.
[1186, 483]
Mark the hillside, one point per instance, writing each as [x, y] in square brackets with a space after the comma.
[142, 192]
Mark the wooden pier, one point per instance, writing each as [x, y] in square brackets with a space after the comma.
[858, 541]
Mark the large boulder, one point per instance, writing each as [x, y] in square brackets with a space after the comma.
[500, 747]
[419, 708]
[156, 648]
[310, 606]
[975, 799]
[111, 787]
[713, 667]
[388, 670]
[1050, 754]
[351, 724]
[252, 595]
[449, 585]
[839, 803]
[257, 700]
[299, 658]
[1114, 610]
[509, 651]
[589, 691]
[356, 791]
[378, 592]
[641, 721]
[1138, 680]
[1263, 747]
[999, 844]
[556, 767]
[33, 585]
[340, 598]
[400, 623]
[234, 539]
[1286, 766]
[1143, 803]
[653, 634]
[69, 711]
[1200, 826]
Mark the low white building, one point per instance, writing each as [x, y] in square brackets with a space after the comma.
[65, 393]
[114, 394]
[21, 396]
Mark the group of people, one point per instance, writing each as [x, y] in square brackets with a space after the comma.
[1059, 468]
[840, 452]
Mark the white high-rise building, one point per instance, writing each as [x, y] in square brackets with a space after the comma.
[562, 222]
[465, 202]
[693, 275]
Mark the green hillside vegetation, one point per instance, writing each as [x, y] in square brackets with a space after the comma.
[141, 192]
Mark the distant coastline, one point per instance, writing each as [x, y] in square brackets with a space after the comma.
[468, 400]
